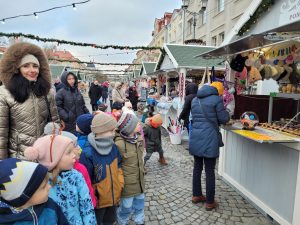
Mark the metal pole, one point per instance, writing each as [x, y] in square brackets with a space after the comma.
[270, 109]
[194, 24]
[183, 26]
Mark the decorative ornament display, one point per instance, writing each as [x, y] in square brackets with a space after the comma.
[195, 41]
[249, 120]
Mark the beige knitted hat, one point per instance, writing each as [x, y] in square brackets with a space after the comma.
[102, 123]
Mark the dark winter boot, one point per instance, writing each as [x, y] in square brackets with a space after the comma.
[162, 161]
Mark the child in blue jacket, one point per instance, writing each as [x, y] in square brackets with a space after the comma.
[24, 192]
[68, 187]
[103, 162]
[83, 128]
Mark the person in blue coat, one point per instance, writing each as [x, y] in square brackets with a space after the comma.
[204, 140]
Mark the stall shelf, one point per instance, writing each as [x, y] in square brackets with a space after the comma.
[281, 95]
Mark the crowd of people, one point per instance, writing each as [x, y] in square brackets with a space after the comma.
[61, 164]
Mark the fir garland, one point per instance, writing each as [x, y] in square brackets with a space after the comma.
[58, 41]
[161, 58]
[97, 63]
[262, 8]
[96, 70]
[195, 41]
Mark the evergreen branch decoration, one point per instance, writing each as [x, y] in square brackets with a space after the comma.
[262, 8]
[37, 38]
[96, 70]
[161, 58]
[97, 63]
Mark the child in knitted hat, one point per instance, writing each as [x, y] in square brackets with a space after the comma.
[69, 189]
[54, 128]
[103, 162]
[83, 128]
[80, 167]
[24, 192]
[131, 147]
[152, 135]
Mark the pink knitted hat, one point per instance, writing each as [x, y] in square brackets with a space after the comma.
[48, 150]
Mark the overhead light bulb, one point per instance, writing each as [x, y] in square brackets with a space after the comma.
[3, 21]
[36, 16]
[74, 7]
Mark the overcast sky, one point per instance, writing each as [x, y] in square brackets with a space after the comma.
[116, 22]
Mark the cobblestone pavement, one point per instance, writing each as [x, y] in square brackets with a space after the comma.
[169, 192]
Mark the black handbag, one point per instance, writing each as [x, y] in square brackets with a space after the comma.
[49, 119]
[215, 126]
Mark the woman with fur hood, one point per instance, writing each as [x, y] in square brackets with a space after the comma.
[26, 104]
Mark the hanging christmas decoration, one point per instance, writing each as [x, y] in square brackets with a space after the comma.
[37, 38]
[262, 8]
[97, 63]
[35, 14]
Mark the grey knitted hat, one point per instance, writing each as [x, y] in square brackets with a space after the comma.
[127, 123]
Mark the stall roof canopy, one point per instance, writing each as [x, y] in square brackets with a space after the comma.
[251, 42]
[136, 73]
[56, 70]
[148, 67]
[183, 56]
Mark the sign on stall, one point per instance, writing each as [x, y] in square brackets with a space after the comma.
[181, 85]
[289, 12]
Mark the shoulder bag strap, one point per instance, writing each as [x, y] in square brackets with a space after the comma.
[48, 107]
[120, 94]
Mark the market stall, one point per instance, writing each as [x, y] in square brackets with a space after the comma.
[264, 164]
[174, 70]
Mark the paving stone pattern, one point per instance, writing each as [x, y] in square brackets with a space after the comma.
[169, 192]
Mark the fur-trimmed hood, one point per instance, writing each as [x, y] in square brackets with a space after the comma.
[13, 56]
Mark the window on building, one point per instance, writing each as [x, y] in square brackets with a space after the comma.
[214, 41]
[221, 5]
[190, 26]
[221, 37]
[203, 17]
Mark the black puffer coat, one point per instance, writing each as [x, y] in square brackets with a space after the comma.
[95, 93]
[190, 93]
[104, 92]
[133, 97]
[70, 103]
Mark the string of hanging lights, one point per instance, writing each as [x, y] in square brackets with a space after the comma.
[35, 14]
